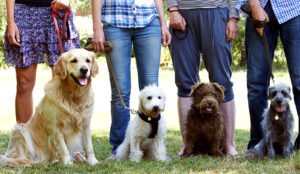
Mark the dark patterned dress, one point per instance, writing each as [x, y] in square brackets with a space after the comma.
[38, 38]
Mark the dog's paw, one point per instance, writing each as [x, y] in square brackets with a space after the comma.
[287, 153]
[92, 161]
[68, 162]
[136, 156]
[164, 158]
[137, 160]
[271, 154]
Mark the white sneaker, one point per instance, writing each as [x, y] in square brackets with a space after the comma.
[112, 157]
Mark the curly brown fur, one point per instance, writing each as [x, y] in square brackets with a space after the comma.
[278, 124]
[205, 130]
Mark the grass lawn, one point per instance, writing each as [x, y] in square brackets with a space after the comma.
[199, 164]
[101, 122]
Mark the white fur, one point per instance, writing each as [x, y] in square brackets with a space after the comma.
[136, 144]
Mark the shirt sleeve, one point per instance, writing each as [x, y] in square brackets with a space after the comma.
[233, 12]
[171, 3]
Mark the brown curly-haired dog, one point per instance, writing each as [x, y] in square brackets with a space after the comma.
[205, 130]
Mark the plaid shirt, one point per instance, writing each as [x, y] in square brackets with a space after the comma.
[128, 13]
[284, 10]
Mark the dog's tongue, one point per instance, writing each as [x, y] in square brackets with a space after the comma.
[83, 81]
[279, 108]
[208, 109]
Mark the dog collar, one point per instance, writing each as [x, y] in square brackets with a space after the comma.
[152, 121]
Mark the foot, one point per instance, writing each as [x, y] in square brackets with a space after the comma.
[251, 153]
[180, 153]
[112, 157]
[231, 151]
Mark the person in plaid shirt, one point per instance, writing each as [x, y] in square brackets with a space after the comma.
[283, 19]
[133, 23]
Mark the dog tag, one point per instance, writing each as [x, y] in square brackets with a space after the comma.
[149, 118]
[276, 117]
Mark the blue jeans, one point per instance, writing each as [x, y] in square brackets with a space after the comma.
[146, 43]
[258, 76]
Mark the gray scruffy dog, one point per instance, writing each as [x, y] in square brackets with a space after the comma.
[278, 124]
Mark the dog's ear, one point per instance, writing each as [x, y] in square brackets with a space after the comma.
[219, 89]
[60, 67]
[195, 87]
[95, 68]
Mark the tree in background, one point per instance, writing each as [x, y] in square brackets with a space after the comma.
[2, 28]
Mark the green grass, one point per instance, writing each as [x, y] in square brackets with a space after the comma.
[198, 164]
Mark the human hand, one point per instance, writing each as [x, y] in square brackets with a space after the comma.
[259, 14]
[231, 29]
[61, 4]
[13, 34]
[165, 36]
[177, 22]
[98, 41]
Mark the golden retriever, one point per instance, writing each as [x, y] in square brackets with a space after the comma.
[60, 127]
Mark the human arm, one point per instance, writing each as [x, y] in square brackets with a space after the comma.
[12, 29]
[258, 13]
[177, 22]
[98, 34]
[231, 26]
[61, 4]
[166, 36]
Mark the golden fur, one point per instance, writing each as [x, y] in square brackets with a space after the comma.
[60, 126]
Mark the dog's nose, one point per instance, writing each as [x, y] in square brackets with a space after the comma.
[83, 70]
[279, 101]
[155, 108]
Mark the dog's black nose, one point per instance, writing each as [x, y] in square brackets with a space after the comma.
[155, 108]
[83, 70]
[279, 101]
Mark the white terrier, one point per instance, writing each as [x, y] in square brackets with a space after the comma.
[145, 134]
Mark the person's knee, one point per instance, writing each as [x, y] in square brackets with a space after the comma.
[183, 91]
[228, 94]
[25, 86]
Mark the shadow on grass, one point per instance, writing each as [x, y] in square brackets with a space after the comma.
[198, 164]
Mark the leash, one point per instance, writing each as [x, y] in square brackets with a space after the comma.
[261, 24]
[55, 14]
[107, 49]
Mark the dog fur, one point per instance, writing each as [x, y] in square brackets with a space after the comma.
[137, 145]
[60, 126]
[278, 124]
[205, 130]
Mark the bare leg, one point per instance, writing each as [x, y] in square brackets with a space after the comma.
[228, 112]
[25, 84]
[184, 105]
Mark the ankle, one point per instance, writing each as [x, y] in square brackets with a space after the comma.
[230, 150]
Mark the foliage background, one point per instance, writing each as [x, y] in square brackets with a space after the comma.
[82, 9]
[2, 28]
